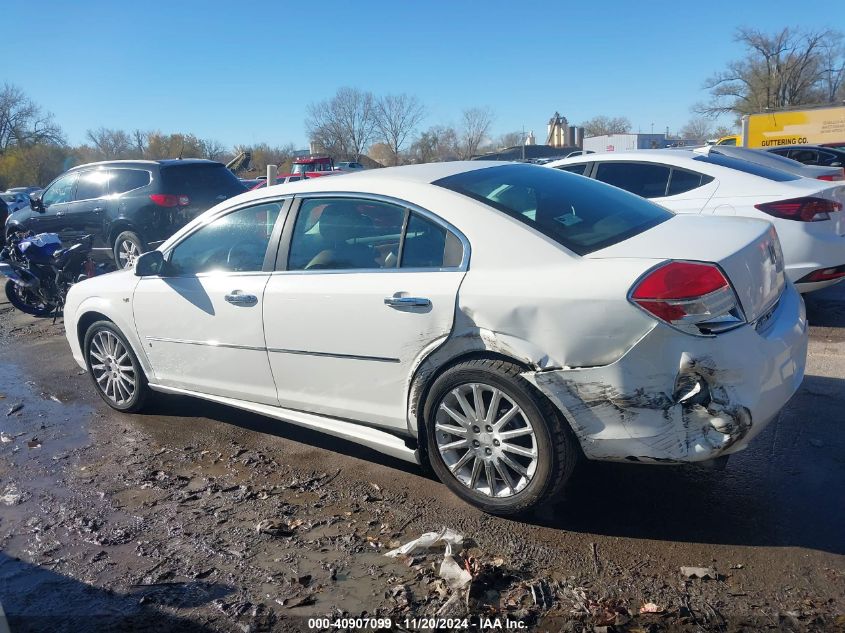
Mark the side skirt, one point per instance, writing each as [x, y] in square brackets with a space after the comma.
[358, 433]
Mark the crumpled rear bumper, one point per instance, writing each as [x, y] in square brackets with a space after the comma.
[679, 398]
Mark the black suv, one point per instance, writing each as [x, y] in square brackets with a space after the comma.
[129, 206]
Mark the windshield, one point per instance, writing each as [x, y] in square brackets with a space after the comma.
[581, 214]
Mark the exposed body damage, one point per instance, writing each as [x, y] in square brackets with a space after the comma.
[681, 400]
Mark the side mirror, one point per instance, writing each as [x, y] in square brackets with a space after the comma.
[148, 264]
[836, 164]
[35, 202]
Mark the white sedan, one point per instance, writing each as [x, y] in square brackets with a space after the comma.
[497, 320]
[807, 213]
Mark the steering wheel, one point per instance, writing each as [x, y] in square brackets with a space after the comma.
[241, 251]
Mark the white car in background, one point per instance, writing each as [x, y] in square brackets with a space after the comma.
[349, 166]
[497, 320]
[807, 213]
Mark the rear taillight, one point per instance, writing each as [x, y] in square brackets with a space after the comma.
[823, 274]
[170, 200]
[831, 177]
[692, 296]
[800, 209]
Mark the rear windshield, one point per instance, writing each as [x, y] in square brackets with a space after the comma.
[746, 166]
[581, 214]
[200, 180]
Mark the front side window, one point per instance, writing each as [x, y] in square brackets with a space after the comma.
[647, 180]
[236, 242]
[346, 233]
[92, 184]
[579, 213]
[60, 191]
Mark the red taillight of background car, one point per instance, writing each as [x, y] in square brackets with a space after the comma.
[824, 274]
[831, 177]
[801, 209]
[687, 294]
[170, 200]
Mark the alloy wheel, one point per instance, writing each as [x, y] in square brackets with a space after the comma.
[127, 252]
[112, 367]
[486, 440]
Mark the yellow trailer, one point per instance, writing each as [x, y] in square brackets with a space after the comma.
[816, 126]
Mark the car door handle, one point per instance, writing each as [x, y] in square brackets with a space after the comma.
[97, 209]
[237, 298]
[407, 302]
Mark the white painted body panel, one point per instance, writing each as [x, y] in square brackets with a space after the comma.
[195, 340]
[337, 349]
[807, 246]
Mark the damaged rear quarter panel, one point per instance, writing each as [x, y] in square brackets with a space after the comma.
[643, 406]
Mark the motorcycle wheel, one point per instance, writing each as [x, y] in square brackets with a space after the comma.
[27, 302]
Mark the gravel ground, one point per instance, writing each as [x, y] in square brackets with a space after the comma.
[198, 517]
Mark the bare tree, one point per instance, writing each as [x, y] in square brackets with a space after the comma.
[212, 149]
[438, 143]
[22, 122]
[396, 117]
[697, 128]
[139, 140]
[476, 124]
[343, 125]
[602, 125]
[111, 144]
[791, 67]
[510, 139]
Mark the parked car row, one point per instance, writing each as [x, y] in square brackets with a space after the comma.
[728, 181]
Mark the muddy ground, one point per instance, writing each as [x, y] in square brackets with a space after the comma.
[149, 522]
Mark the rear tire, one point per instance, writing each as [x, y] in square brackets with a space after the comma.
[23, 300]
[114, 369]
[127, 247]
[512, 460]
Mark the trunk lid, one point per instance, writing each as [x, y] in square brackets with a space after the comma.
[747, 250]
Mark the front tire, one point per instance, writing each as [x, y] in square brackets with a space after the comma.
[127, 247]
[494, 440]
[114, 369]
[26, 302]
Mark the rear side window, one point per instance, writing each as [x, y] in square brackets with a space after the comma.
[746, 167]
[579, 168]
[429, 245]
[828, 158]
[579, 213]
[201, 181]
[647, 180]
[123, 180]
[92, 184]
[682, 181]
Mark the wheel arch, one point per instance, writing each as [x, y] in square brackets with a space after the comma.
[119, 226]
[429, 370]
[99, 309]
